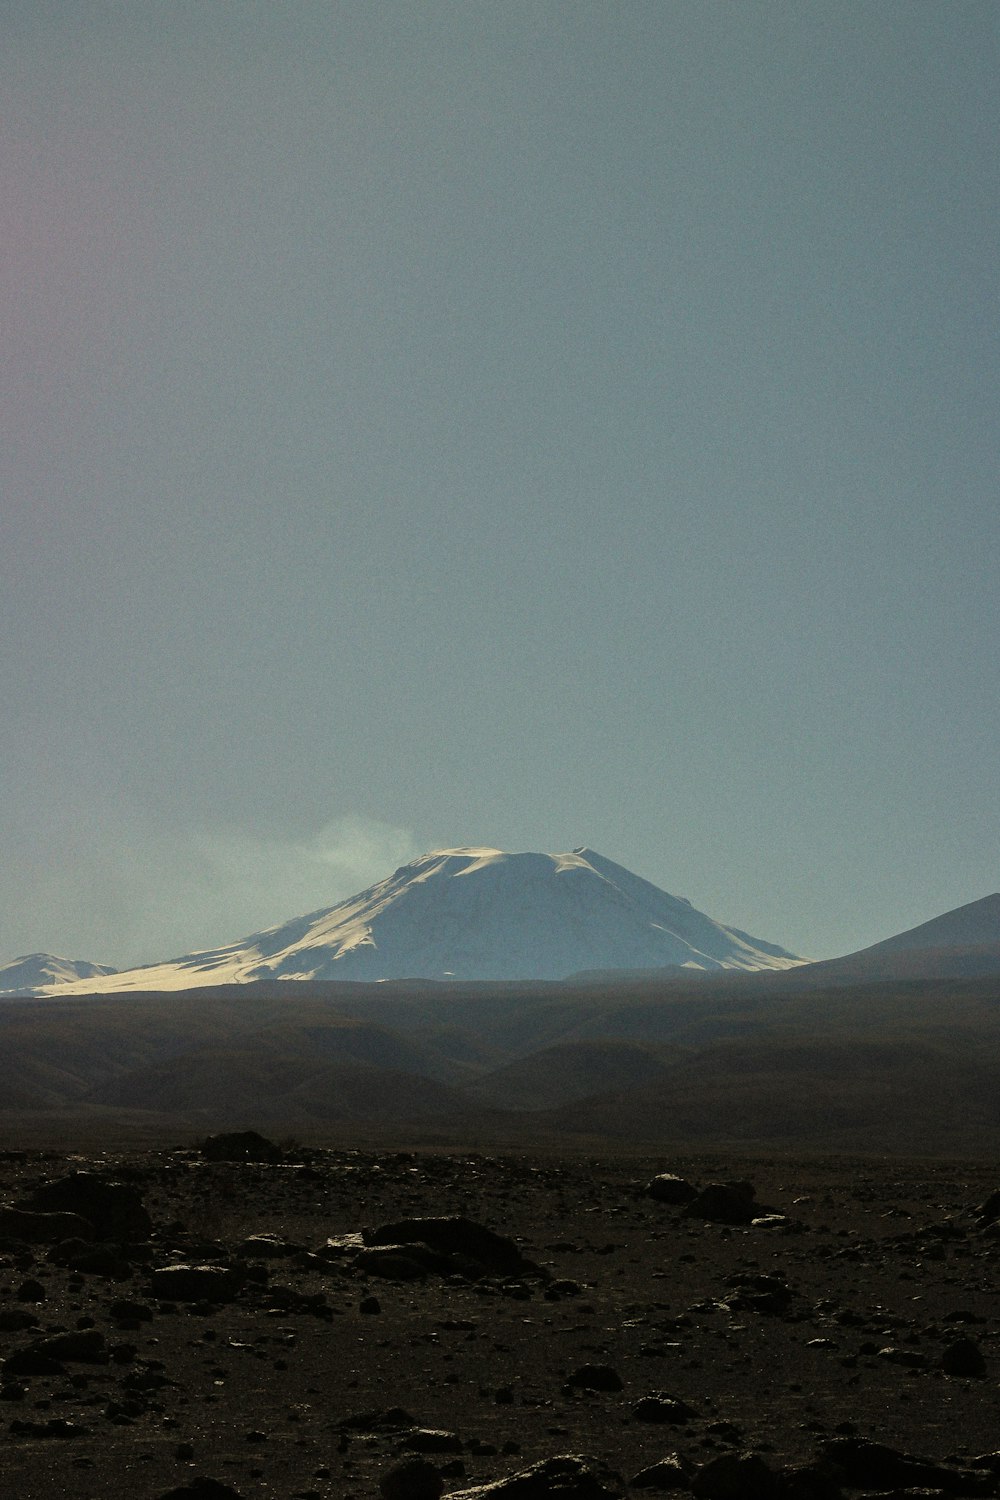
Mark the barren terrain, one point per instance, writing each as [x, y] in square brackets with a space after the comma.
[313, 1356]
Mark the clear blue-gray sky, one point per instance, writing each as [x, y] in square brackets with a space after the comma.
[535, 424]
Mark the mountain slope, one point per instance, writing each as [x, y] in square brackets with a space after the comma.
[36, 971]
[476, 914]
[961, 943]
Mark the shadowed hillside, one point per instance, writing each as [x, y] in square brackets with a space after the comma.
[896, 1066]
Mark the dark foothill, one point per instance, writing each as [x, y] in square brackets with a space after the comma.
[667, 1187]
[241, 1145]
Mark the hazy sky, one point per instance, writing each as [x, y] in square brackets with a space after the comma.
[529, 424]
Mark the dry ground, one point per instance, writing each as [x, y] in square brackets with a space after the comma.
[292, 1388]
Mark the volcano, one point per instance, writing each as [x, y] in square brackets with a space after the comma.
[474, 914]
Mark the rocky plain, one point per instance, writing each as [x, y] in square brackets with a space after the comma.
[233, 1316]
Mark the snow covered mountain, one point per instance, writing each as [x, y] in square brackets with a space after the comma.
[37, 970]
[475, 914]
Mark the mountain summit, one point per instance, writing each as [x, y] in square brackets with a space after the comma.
[475, 914]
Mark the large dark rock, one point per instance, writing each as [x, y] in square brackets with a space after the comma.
[671, 1473]
[241, 1145]
[667, 1187]
[736, 1476]
[413, 1479]
[459, 1237]
[36, 1228]
[964, 1357]
[865, 1465]
[195, 1283]
[724, 1203]
[595, 1378]
[201, 1489]
[566, 1477]
[115, 1210]
[661, 1407]
[989, 1210]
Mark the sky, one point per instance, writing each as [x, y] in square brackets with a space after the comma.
[532, 425]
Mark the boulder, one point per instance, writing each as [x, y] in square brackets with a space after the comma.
[241, 1145]
[458, 1237]
[964, 1357]
[594, 1378]
[661, 1407]
[724, 1203]
[736, 1476]
[36, 1228]
[671, 1473]
[413, 1479]
[195, 1283]
[667, 1187]
[114, 1209]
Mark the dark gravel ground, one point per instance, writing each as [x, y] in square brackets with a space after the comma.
[305, 1372]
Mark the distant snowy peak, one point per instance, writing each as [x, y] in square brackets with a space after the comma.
[477, 914]
[38, 971]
